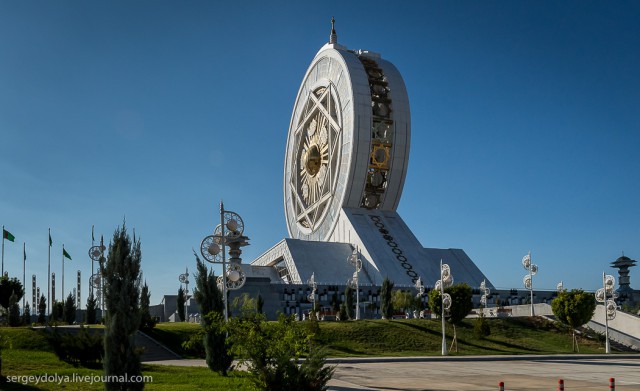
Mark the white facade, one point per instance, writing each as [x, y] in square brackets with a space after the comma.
[346, 162]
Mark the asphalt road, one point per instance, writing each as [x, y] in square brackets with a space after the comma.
[583, 373]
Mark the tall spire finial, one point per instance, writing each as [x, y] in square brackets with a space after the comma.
[333, 38]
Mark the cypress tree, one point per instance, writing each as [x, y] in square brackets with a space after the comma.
[14, 310]
[90, 314]
[70, 309]
[42, 310]
[385, 299]
[259, 303]
[122, 298]
[209, 297]
[348, 301]
[146, 321]
[26, 315]
[57, 311]
[180, 303]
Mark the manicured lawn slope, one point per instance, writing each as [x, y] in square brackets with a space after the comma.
[424, 337]
[173, 334]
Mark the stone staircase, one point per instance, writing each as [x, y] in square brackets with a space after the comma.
[153, 350]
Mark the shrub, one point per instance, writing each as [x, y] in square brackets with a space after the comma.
[83, 348]
[272, 354]
[194, 346]
[343, 312]
[574, 308]
[481, 327]
[209, 297]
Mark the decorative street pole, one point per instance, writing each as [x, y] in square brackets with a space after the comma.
[445, 281]
[78, 294]
[528, 279]
[312, 296]
[35, 299]
[485, 293]
[355, 260]
[602, 294]
[420, 288]
[184, 279]
[213, 249]
[96, 253]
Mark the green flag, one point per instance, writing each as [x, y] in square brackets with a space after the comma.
[66, 254]
[50, 241]
[7, 235]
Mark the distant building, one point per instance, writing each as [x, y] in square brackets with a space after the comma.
[626, 294]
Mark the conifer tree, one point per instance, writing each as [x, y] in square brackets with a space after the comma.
[259, 303]
[146, 321]
[26, 315]
[14, 310]
[122, 302]
[9, 286]
[69, 312]
[348, 301]
[57, 311]
[210, 298]
[90, 313]
[385, 299]
[42, 310]
[181, 314]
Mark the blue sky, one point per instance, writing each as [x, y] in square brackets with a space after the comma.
[525, 127]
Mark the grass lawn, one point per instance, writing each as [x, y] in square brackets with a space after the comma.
[19, 362]
[173, 334]
[27, 351]
[423, 337]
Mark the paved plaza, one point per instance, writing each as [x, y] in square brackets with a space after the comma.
[479, 373]
[583, 373]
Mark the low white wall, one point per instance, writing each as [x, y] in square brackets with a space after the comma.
[623, 322]
[539, 309]
[624, 328]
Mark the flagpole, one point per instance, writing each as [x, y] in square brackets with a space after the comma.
[2, 251]
[49, 277]
[63, 298]
[102, 309]
[24, 262]
[91, 285]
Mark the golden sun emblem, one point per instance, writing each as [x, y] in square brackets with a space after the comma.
[314, 159]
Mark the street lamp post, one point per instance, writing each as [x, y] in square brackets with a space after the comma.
[485, 293]
[446, 280]
[420, 288]
[312, 296]
[184, 279]
[213, 249]
[355, 260]
[528, 279]
[602, 294]
[96, 253]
